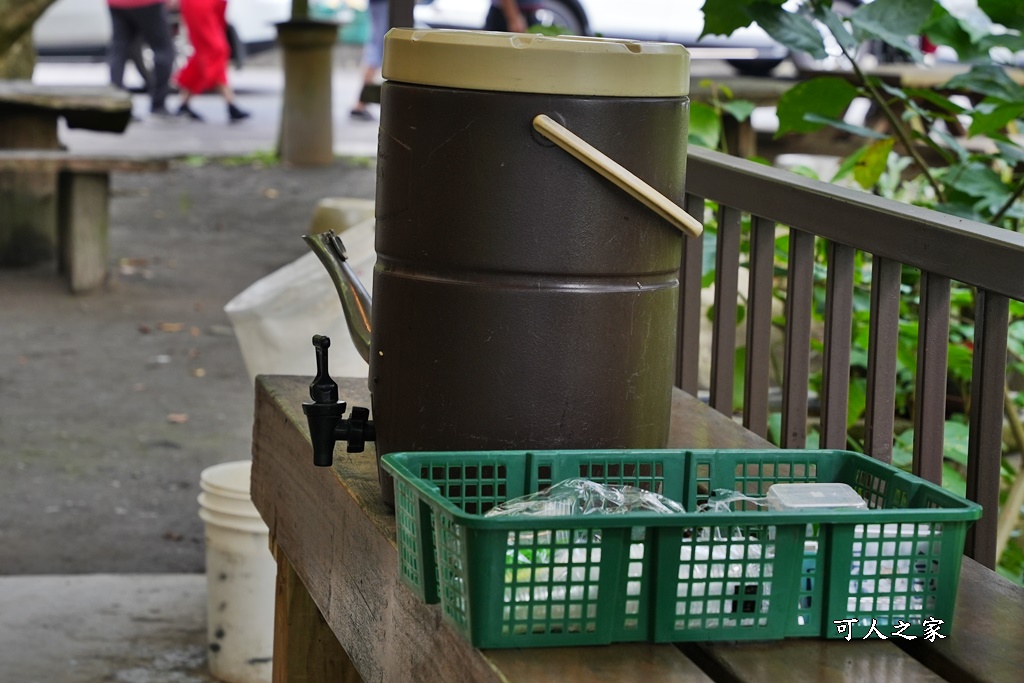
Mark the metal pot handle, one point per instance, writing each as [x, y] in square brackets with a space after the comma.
[600, 162]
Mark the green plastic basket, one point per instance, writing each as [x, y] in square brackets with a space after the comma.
[527, 581]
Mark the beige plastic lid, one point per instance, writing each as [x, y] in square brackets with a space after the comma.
[530, 62]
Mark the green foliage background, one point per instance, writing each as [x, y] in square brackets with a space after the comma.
[921, 156]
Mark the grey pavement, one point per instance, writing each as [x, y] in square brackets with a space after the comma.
[131, 628]
[103, 627]
[258, 86]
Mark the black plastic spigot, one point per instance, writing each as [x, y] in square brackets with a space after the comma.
[322, 389]
[325, 414]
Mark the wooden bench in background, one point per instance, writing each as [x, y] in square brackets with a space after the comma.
[83, 205]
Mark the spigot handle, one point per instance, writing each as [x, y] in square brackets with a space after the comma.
[322, 389]
[358, 429]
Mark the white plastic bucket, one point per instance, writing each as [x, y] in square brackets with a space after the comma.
[240, 577]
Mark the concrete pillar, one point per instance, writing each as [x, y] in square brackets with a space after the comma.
[307, 133]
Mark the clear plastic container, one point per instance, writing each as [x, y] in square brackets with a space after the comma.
[814, 496]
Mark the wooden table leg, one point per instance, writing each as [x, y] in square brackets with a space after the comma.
[305, 648]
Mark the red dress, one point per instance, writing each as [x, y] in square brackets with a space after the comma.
[207, 32]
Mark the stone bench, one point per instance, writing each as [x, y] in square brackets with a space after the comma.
[83, 206]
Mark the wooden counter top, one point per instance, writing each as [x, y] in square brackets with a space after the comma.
[335, 539]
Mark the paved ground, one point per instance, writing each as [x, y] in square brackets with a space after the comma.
[111, 404]
[91, 628]
[258, 86]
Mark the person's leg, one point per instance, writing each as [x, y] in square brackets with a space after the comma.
[234, 113]
[155, 29]
[120, 44]
[373, 54]
[135, 55]
[495, 20]
[359, 110]
[183, 106]
[207, 66]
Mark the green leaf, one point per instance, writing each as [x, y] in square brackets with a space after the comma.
[920, 136]
[978, 180]
[936, 99]
[549, 30]
[795, 31]
[737, 379]
[739, 109]
[858, 400]
[805, 171]
[954, 450]
[891, 183]
[1016, 211]
[722, 17]
[1011, 153]
[1009, 13]
[893, 21]
[898, 93]
[996, 119]
[839, 124]
[915, 110]
[961, 297]
[705, 129]
[846, 167]
[989, 80]
[1015, 339]
[775, 428]
[943, 28]
[826, 96]
[872, 163]
[953, 480]
[835, 25]
[960, 362]
[707, 266]
[1016, 333]
[953, 144]
[902, 458]
[1011, 41]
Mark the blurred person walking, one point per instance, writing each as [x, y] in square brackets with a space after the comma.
[514, 16]
[373, 54]
[207, 67]
[146, 20]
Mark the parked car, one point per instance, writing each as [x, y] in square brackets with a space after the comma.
[81, 28]
[749, 50]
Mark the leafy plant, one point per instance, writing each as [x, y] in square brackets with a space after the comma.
[923, 126]
[954, 148]
[707, 126]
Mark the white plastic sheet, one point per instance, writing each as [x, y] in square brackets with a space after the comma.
[276, 317]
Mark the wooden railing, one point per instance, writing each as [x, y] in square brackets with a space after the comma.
[942, 248]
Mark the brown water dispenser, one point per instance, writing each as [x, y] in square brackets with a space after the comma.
[528, 247]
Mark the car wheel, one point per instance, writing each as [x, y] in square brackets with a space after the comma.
[562, 15]
[754, 67]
